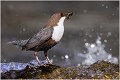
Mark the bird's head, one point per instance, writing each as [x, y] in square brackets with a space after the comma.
[67, 15]
[56, 17]
[59, 15]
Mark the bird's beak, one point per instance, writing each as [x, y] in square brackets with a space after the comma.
[67, 15]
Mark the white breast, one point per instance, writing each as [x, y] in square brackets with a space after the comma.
[58, 30]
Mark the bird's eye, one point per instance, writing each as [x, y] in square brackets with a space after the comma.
[61, 14]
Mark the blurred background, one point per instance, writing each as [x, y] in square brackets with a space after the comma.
[92, 30]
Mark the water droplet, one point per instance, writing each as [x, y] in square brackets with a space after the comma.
[106, 7]
[105, 40]
[109, 56]
[51, 60]
[84, 51]
[85, 40]
[103, 5]
[54, 55]
[90, 36]
[92, 45]
[24, 29]
[86, 44]
[98, 42]
[113, 14]
[109, 34]
[78, 64]
[85, 11]
[66, 56]
[4, 60]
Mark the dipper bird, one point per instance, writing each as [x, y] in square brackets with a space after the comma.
[47, 37]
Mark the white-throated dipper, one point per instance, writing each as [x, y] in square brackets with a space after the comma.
[47, 37]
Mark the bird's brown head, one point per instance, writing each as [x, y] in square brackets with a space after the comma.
[57, 16]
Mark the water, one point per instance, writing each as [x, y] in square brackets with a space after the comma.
[95, 51]
[19, 66]
[12, 66]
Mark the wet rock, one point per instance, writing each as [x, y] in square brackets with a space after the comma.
[98, 70]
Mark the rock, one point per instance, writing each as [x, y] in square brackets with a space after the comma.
[98, 70]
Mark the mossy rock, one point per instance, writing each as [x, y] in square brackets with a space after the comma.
[98, 70]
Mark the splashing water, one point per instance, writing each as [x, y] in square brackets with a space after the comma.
[12, 66]
[97, 52]
[19, 66]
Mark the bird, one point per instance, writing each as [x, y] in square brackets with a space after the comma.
[47, 37]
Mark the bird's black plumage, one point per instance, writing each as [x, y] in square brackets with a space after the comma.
[38, 39]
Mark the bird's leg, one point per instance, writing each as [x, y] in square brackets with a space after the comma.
[45, 53]
[36, 57]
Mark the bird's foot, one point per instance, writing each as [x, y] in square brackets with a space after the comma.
[45, 65]
[40, 64]
[48, 60]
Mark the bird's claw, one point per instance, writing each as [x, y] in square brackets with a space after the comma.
[48, 60]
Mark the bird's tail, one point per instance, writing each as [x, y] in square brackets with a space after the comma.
[19, 42]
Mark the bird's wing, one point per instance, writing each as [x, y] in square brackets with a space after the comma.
[41, 37]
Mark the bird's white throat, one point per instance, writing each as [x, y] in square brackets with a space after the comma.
[58, 30]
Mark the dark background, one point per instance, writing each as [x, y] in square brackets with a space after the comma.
[21, 20]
